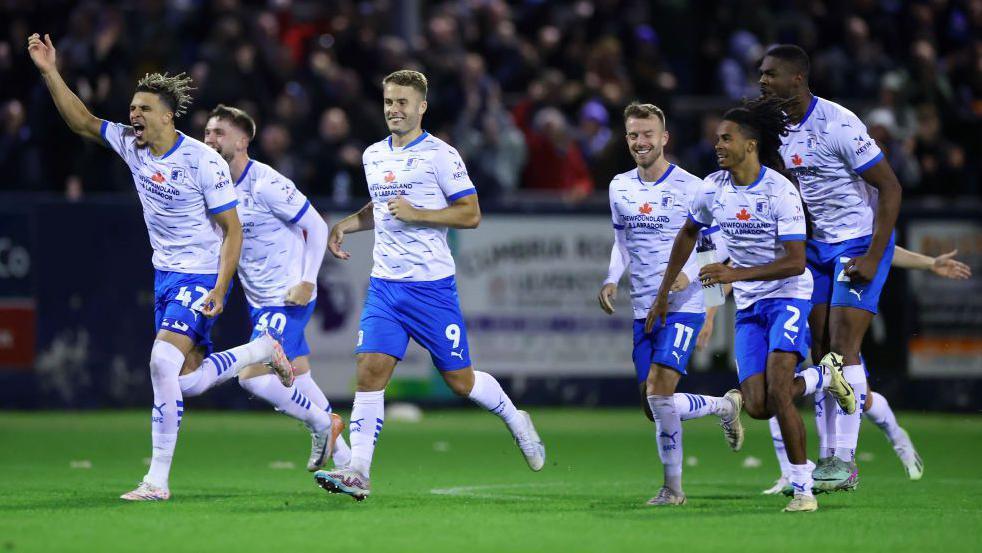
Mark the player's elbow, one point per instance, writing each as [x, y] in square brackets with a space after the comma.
[796, 265]
[473, 219]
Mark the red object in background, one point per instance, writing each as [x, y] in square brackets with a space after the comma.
[18, 333]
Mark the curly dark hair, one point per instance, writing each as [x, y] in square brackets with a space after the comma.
[175, 91]
[764, 119]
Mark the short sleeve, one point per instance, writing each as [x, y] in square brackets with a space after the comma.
[790, 216]
[451, 175]
[119, 137]
[615, 216]
[216, 185]
[283, 199]
[700, 208]
[853, 144]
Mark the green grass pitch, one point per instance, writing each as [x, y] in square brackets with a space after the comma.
[455, 482]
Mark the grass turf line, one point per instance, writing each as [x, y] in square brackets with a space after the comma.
[456, 482]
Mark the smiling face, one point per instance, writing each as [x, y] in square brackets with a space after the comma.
[227, 139]
[404, 107]
[150, 117]
[732, 145]
[646, 139]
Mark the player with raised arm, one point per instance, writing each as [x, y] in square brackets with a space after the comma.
[762, 221]
[649, 205]
[284, 242]
[853, 198]
[877, 408]
[419, 188]
[188, 206]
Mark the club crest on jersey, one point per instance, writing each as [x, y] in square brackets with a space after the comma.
[177, 175]
[412, 163]
[811, 141]
[761, 207]
[667, 200]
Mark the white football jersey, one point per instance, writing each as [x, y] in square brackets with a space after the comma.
[826, 152]
[430, 174]
[272, 243]
[178, 190]
[755, 221]
[651, 214]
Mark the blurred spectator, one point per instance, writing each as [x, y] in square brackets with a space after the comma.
[700, 158]
[301, 68]
[556, 162]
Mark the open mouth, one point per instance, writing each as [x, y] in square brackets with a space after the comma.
[138, 129]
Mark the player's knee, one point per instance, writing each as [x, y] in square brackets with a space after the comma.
[165, 361]
[460, 382]
[755, 407]
[778, 397]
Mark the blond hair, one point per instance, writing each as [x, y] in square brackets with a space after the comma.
[638, 110]
[408, 77]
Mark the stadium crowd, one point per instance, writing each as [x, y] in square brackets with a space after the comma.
[530, 92]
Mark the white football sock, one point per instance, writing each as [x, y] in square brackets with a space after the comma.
[290, 400]
[307, 385]
[779, 451]
[882, 416]
[488, 394]
[367, 417]
[694, 406]
[223, 365]
[816, 379]
[847, 426]
[801, 478]
[310, 389]
[168, 408]
[825, 408]
[668, 432]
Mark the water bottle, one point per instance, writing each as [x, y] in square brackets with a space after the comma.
[706, 255]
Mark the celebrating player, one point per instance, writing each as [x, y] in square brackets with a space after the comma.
[853, 198]
[877, 408]
[760, 215]
[187, 198]
[419, 188]
[648, 206]
[278, 270]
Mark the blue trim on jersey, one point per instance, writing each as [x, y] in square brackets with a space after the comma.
[711, 230]
[760, 177]
[244, 172]
[180, 138]
[618, 227]
[419, 139]
[694, 220]
[792, 238]
[102, 131]
[300, 213]
[869, 163]
[661, 178]
[221, 208]
[461, 194]
[811, 108]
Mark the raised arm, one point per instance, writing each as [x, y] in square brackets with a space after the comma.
[71, 108]
[463, 212]
[363, 219]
